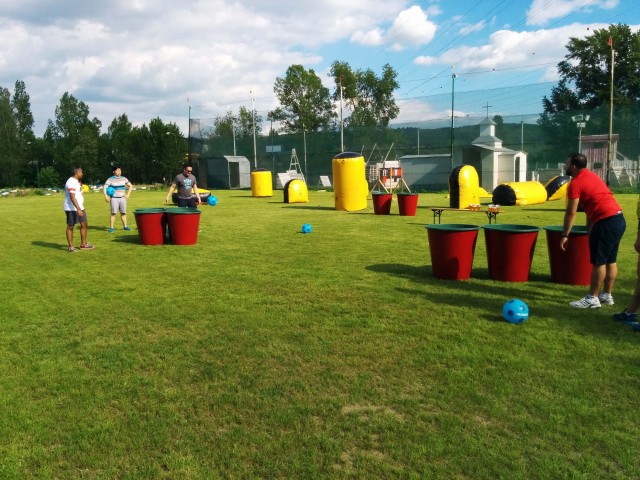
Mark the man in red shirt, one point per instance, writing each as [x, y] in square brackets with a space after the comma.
[605, 224]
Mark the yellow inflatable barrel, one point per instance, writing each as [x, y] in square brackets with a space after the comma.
[261, 185]
[519, 193]
[557, 187]
[350, 186]
[295, 191]
[464, 187]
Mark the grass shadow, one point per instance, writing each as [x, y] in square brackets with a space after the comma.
[55, 246]
[127, 239]
[308, 207]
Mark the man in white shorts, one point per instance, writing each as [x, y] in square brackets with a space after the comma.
[119, 199]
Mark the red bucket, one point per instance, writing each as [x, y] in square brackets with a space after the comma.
[382, 203]
[151, 223]
[407, 204]
[572, 266]
[183, 225]
[452, 247]
[510, 251]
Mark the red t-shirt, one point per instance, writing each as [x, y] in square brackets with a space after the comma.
[595, 197]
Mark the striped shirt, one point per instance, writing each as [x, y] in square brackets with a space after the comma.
[119, 185]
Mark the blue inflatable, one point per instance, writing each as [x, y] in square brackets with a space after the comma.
[212, 200]
[111, 191]
[515, 311]
[306, 228]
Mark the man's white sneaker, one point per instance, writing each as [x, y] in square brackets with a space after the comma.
[606, 299]
[586, 302]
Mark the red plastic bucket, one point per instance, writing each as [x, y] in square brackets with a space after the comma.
[452, 247]
[183, 225]
[572, 266]
[407, 204]
[510, 251]
[382, 203]
[151, 223]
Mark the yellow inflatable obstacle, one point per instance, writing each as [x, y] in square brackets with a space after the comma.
[519, 193]
[204, 195]
[464, 187]
[350, 186]
[295, 191]
[261, 183]
[557, 187]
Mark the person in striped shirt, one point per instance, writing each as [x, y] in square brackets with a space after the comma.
[121, 190]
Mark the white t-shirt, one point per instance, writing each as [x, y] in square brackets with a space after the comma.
[75, 187]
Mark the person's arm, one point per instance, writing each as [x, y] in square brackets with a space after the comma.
[569, 219]
[637, 244]
[104, 191]
[195, 190]
[72, 196]
[130, 188]
[171, 189]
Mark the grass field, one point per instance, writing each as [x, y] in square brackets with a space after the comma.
[261, 352]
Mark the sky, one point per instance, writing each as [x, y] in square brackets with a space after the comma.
[200, 59]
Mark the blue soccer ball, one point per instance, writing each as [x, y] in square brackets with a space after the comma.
[306, 228]
[111, 191]
[515, 311]
[212, 200]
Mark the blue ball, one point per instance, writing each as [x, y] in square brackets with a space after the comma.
[306, 228]
[515, 311]
[213, 201]
[111, 191]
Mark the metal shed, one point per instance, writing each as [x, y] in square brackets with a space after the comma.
[226, 172]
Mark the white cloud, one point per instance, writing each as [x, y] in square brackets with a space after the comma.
[411, 27]
[371, 38]
[509, 49]
[476, 27]
[541, 13]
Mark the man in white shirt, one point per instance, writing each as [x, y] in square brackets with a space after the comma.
[74, 209]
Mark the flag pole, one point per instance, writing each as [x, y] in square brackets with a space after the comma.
[610, 139]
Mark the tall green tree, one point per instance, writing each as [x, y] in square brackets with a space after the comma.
[305, 104]
[368, 96]
[585, 88]
[240, 125]
[10, 149]
[74, 138]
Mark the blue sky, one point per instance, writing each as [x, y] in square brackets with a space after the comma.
[157, 58]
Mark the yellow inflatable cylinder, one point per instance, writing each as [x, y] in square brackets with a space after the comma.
[464, 187]
[519, 193]
[295, 191]
[261, 184]
[350, 186]
[557, 187]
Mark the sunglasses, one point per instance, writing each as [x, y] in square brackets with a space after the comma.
[189, 171]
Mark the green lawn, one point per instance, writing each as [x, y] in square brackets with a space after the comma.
[261, 352]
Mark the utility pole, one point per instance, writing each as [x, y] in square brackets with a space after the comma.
[522, 134]
[610, 140]
[341, 120]
[253, 118]
[453, 89]
[487, 106]
[189, 137]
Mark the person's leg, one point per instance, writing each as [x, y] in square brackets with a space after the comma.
[70, 235]
[610, 277]
[83, 233]
[123, 217]
[112, 220]
[597, 278]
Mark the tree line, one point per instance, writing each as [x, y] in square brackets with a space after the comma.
[153, 152]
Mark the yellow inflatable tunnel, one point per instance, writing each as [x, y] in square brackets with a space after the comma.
[464, 187]
[350, 186]
[519, 193]
[295, 191]
[557, 187]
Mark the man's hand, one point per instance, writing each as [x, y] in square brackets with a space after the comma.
[563, 243]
